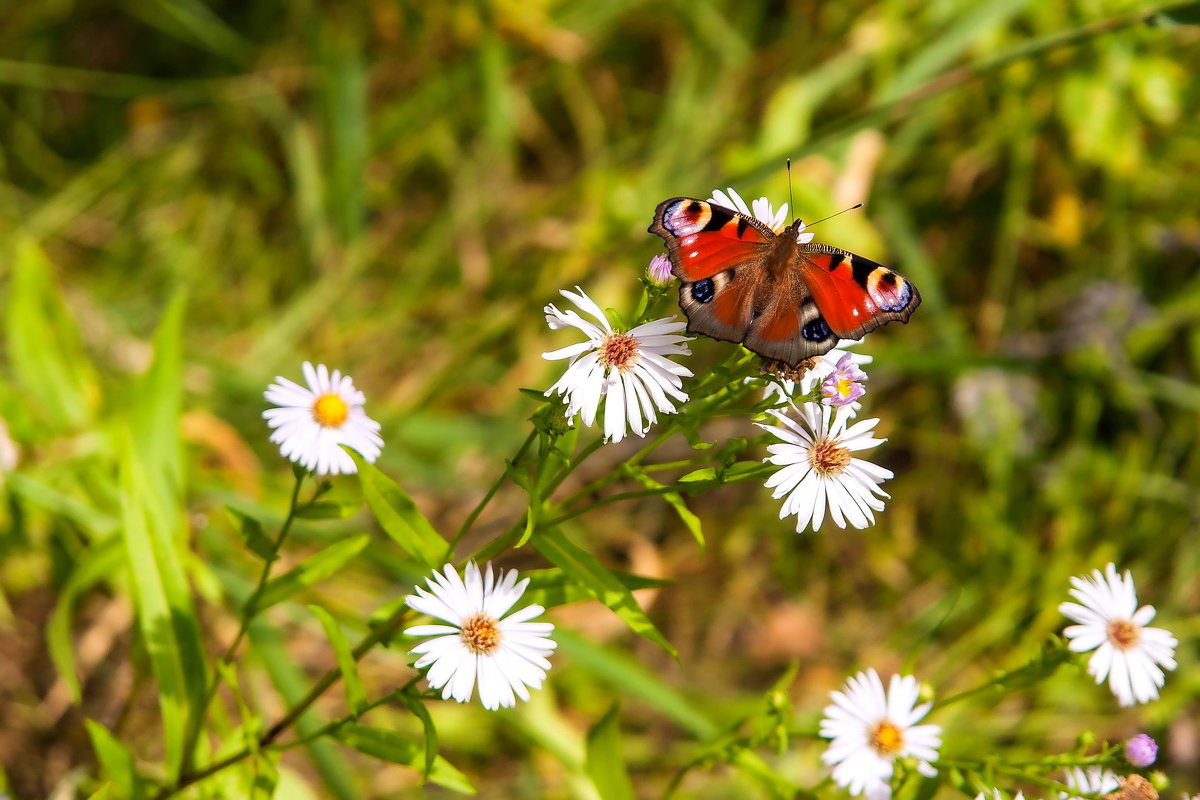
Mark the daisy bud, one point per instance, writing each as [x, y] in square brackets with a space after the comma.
[1141, 750]
[659, 271]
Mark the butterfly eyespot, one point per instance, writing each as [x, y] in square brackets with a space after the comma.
[703, 291]
[889, 291]
[815, 330]
[694, 207]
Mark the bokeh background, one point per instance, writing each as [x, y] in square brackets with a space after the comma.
[396, 189]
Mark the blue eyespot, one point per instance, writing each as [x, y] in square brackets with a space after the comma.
[703, 291]
[815, 330]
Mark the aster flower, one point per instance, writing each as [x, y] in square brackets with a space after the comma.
[817, 370]
[629, 368]
[843, 386]
[818, 469]
[659, 271]
[1093, 780]
[311, 423]
[506, 656]
[1128, 653]
[761, 210]
[870, 729]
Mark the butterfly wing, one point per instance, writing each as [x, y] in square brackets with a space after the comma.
[717, 254]
[854, 295]
[740, 282]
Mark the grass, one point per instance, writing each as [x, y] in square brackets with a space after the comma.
[398, 190]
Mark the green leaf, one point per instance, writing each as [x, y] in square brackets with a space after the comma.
[44, 347]
[329, 509]
[310, 571]
[116, 762]
[158, 402]
[675, 501]
[34, 491]
[95, 565]
[1186, 14]
[166, 617]
[252, 532]
[553, 587]
[413, 702]
[390, 746]
[101, 793]
[356, 695]
[587, 572]
[400, 517]
[605, 765]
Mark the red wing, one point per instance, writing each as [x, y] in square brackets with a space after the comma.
[854, 294]
[704, 239]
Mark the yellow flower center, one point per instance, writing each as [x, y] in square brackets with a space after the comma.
[619, 350]
[481, 634]
[828, 457]
[330, 411]
[886, 739]
[843, 387]
[1124, 634]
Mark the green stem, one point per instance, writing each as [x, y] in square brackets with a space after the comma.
[247, 614]
[487, 498]
[378, 634]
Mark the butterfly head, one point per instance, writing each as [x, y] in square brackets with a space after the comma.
[797, 229]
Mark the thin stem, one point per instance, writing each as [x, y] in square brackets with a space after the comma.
[248, 612]
[487, 498]
[381, 632]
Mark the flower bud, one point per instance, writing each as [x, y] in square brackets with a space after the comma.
[1141, 750]
[659, 271]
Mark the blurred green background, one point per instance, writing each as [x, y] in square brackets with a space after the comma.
[396, 189]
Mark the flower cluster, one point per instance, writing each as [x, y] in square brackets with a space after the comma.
[877, 736]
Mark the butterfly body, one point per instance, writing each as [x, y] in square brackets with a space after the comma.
[783, 299]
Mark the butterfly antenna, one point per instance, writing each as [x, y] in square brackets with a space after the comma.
[831, 216]
[791, 205]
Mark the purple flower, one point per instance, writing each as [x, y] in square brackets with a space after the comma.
[659, 271]
[1141, 750]
[843, 386]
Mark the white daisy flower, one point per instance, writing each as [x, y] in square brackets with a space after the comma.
[1128, 653]
[629, 368]
[870, 729]
[761, 210]
[504, 655]
[997, 795]
[1093, 780]
[784, 390]
[310, 424]
[818, 470]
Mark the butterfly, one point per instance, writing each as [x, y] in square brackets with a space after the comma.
[786, 301]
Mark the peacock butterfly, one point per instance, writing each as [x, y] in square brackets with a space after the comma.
[786, 301]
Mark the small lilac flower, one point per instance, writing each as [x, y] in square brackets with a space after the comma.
[843, 386]
[659, 271]
[1141, 750]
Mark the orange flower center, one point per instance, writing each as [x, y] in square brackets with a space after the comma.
[330, 410]
[886, 739]
[619, 350]
[828, 457]
[481, 634]
[1124, 634]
